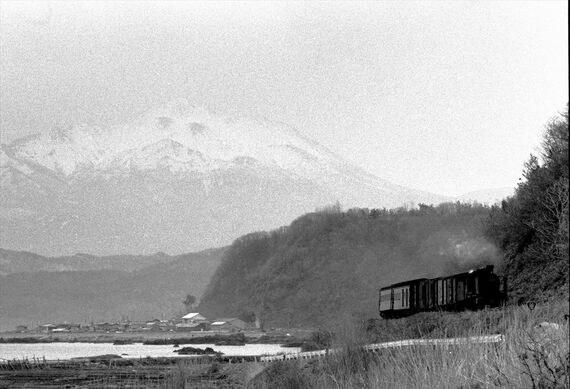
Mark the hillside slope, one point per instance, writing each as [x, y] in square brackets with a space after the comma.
[331, 263]
[532, 227]
[96, 295]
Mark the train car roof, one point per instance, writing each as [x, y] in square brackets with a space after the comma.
[488, 268]
[484, 268]
[404, 283]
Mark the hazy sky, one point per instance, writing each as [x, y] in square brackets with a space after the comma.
[447, 97]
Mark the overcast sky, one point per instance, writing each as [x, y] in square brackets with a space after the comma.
[448, 97]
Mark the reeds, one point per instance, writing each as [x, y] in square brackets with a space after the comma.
[533, 355]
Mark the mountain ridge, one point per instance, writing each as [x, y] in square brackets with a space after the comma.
[79, 290]
[12, 261]
[178, 178]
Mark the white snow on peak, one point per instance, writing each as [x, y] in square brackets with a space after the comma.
[178, 136]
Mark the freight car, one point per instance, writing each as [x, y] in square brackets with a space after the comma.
[472, 290]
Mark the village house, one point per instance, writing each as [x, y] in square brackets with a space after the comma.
[193, 327]
[46, 327]
[21, 328]
[193, 322]
[193, 318]
[134, 326]
[159, 325]
[108, 327]
[67, 327]
[228, 325]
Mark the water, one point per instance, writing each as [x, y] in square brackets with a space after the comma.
[53, 351]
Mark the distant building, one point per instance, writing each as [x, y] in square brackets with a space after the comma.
[204, 326]
[61, 327]
[58, 330]
[194, 318]
[21, 328]
[67, 327]
[108, 327]
[47, 327]
[159, 325]
[228, 325]
[193, 322]
[134, 326]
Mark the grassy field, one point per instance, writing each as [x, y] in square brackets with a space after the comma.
[156, 373]
[535, 354]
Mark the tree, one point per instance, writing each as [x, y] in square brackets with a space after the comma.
[532, 226]
[247, 316]
[189, 302]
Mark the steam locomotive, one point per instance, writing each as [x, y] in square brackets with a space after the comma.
[471, 290]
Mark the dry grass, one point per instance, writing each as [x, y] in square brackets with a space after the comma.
[532, 356]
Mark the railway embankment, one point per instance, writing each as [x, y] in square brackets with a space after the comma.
[526, 349]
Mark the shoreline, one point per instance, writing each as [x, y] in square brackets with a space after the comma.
[32, 353]
[247, 337]
[207, 371]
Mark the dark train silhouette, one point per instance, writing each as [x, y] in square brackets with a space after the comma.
[475, 289]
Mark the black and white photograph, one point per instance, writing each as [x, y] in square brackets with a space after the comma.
[284, 194]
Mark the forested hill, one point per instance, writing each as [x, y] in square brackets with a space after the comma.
[330, 263]
[531, 227]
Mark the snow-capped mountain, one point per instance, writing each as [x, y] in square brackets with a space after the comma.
[179, 178]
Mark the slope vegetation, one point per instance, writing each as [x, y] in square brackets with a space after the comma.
[532, 226]
[331, 263]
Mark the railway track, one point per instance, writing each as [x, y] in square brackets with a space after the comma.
[386, 345]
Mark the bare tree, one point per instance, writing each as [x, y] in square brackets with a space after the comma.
[554, 222]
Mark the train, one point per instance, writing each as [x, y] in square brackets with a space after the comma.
[472, 290]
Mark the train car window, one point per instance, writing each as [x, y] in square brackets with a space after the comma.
[425, 298]
[477, 285]
[418, 296]
[471, 285]
[386, 300]
[420, 299]
[460, 290]
[433, 294]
